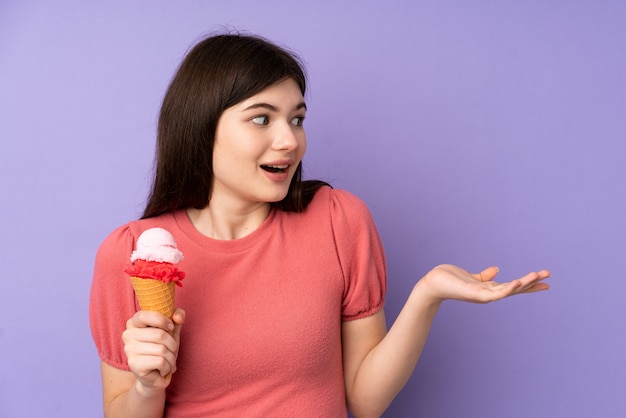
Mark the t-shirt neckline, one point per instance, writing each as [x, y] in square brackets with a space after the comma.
[258, 235]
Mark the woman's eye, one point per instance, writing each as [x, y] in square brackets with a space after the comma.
[297, 121]
[261, 120]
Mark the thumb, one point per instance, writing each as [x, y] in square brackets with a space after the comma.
[178, 318]
[488, 274]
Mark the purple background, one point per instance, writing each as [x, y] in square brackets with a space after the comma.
[484, 132]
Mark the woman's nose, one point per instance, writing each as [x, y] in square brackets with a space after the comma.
[286, 138]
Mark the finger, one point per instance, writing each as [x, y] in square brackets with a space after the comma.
[488, 274]
[493, 292]
[530, 283]
[533, 282]
[179, 316]
[137, 339]
[144, 365]
[149, 341]
[144, 319]
[541, 275]
[533, 278]
[506, 289]
[155, 336]
[537, 287]
[145, 355]
[176, 333]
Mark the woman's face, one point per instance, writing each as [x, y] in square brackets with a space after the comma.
[258, 146]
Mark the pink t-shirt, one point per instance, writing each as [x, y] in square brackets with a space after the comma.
[262, 335]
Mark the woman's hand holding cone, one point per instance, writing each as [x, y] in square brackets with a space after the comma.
[151, 342]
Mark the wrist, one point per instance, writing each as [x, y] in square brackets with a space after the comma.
[148, 392]
[424, 292]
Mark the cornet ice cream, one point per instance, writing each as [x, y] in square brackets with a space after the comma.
[152, 271]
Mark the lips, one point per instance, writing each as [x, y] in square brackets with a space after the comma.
[275, 168]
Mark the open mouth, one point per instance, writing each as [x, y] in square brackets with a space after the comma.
[275, 168]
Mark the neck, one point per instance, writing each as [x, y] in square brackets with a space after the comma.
[228, 222]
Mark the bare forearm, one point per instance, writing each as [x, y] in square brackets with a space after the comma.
[136, 403]
[388, 367]
[152, 350]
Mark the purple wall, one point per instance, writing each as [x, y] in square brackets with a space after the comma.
[479, 133]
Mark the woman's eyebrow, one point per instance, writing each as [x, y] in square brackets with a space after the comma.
[272, 108]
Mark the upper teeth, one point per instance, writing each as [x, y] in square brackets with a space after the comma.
[280, 167]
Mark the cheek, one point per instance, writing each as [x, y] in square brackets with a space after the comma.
[302, 146]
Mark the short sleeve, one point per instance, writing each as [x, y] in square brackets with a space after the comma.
[361, 256]
[112, 300]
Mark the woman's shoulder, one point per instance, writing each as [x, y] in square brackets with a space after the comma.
[126, 234]
[338, 197]
[338, 203]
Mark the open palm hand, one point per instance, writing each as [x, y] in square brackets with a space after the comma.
[451, 282]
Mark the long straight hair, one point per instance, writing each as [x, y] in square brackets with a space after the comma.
[217, 73]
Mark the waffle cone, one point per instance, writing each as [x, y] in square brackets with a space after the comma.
[154, 295]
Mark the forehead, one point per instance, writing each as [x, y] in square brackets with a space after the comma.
[285, 93]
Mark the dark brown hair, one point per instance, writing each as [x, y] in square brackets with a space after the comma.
[217, 73]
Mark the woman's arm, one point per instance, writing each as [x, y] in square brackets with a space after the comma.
[124, 396]
[377, 364]
[151, 346]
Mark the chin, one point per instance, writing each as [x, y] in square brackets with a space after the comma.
[278, 196]
[278, 199]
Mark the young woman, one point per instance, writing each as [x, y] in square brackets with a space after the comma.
[281, 309]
